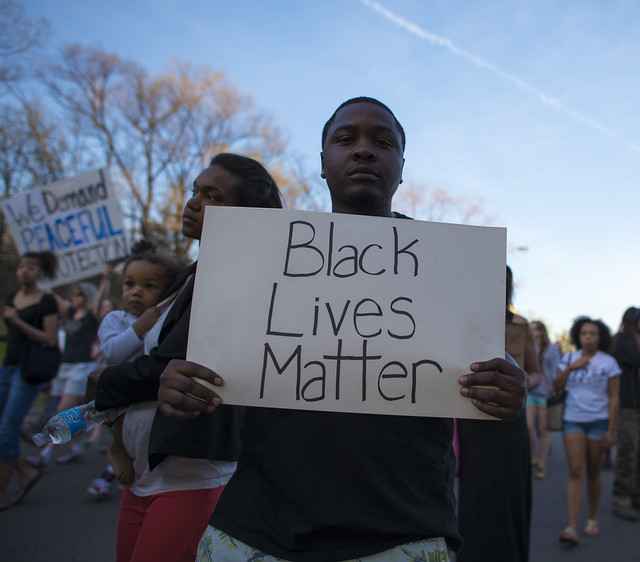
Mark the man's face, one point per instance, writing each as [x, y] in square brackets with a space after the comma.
[362, 157]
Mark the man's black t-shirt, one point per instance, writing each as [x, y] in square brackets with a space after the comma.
[80, 335]
[322, 487]
[17, 341]
[317, 487]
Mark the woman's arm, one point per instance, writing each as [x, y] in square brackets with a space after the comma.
[613, 390]
[64, 306]
[103, 289]
[531, 363]
[47, 336]
[561, 379]
[129, 383]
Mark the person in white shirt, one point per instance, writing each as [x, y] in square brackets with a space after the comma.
[591, 379]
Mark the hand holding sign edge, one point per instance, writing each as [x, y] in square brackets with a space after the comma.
[187, 389]
[496, 387]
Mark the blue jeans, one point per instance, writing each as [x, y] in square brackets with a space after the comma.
[16, 398]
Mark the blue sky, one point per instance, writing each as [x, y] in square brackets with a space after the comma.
[564, 180]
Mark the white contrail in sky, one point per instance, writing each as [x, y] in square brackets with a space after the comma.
[446, 43]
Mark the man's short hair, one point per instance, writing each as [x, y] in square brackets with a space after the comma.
[362, 99]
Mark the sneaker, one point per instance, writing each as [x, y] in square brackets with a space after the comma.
[569, 537]
[23, 479]
[100, 489]
[592, 529]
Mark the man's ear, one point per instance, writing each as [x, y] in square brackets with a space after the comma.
[322, 173]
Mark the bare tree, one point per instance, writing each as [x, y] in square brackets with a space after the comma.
[440, 205]
[158, 131]
[19, 37]
[13, 141]
[34, 150]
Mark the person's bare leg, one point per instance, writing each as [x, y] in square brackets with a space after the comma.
[575, 447]
[544, 437]
[594, 465]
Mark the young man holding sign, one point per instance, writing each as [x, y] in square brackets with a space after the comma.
[317, 486]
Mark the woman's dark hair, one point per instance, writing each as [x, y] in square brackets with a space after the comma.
[630, 320]
[257, 187]
[47, 261]
[604, 339]
[509, 313]
[363, 99]
[143, 250]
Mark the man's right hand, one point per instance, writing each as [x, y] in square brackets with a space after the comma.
[181, 395]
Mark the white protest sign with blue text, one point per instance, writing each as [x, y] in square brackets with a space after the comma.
[78, 219]
[346, 313]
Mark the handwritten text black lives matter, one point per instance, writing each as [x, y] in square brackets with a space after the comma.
[319, 378]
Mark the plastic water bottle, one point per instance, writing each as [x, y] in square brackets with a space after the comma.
[65, 425]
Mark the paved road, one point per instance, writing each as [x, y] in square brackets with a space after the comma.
[57, 523]
[619, 540]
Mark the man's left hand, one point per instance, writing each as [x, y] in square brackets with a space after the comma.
[496, 387]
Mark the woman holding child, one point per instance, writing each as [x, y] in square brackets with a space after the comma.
[180, 465]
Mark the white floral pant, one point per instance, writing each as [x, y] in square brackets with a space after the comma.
[216, 546]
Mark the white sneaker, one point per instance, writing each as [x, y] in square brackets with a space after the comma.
[100, 489]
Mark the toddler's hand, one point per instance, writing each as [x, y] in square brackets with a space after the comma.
[146, 321]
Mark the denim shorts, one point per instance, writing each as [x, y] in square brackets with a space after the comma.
[594, 430]
[72, 379]
[536, 400]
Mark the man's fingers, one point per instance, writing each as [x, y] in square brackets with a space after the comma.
[182, 401]
[200, 390]
[188, 389]
[493, 410]
[492, 378]
[496, 387]
[496, 364]
[190, 369]
[489, 394]
[169, 410]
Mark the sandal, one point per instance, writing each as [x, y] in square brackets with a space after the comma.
[538, 473]
[592, 529]
[22, 486]
[569, 536]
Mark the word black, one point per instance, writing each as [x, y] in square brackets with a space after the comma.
[346, 261]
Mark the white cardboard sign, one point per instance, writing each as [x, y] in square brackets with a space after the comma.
[346, 313]
[78, 219]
